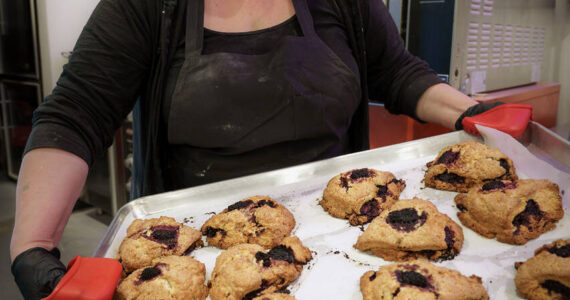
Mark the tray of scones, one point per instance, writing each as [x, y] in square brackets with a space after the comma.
[447, 217]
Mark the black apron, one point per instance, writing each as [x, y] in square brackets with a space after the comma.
[238, 114]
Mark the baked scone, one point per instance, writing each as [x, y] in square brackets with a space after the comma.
[169, 277]
[275, 296]
[360, 195]
[546, 275]
[464, 165]
[153, 238]
[420, 279]
[247, 271]
[412, 229]
[513, 211]
[256, 220]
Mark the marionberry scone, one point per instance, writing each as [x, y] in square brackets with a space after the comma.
[546, 275]
[247, 271]
[412, 229]
[513, 211]
[153, 238]
[255, 220]
[420, 279]
[360, 195]
[169, 277]
[464, 165]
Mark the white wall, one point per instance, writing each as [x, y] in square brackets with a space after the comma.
[59, 24]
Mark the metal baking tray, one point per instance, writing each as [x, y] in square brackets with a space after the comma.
[335, 270]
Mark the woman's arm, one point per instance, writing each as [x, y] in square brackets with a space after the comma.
[49, 184]
[442, 104]
[404, 82]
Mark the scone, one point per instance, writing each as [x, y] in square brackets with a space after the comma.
[412, 229]
[153, 238]
[360, 195]
[464, 165]
[513, 211]
[256, 220]
[247, 271]
[420, 279]
[169, 277]
[546, 275]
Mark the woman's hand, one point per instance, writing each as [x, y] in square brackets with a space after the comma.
[37, 272]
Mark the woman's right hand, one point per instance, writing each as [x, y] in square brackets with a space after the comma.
[37, 272]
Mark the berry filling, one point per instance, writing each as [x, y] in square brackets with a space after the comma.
[255, 293]
[557, 287]
[461, 207]
[450, 178]
[531, 211]
[396, 293]
[344, 183]
[412, 278]
[164, 234]
[449, 235]
[264, 257]
[493, 185]
[360, 173]
[266, 202]
[372, 277]
[448, 157]
[382, 190]
[449, 253]
[211, 232]
[503, 162]
[240, 205]
[370, 208]
[277, 253]
[563, 251]
[282, 253]
[149, 273]
[406, 219]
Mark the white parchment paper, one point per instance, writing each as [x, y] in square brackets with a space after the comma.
[335, 270]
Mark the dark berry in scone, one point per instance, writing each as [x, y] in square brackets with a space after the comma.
[169, 277]
[412, 229]
[360, 195]
[464, 165]
[513, 211]
[247, 271]
[153, 238]
[420, 279]
[255, 220]
[546, 275]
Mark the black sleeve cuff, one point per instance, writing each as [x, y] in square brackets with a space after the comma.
[414, 90]
[53, 135]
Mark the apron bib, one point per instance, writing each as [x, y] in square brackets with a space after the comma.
[228, 109]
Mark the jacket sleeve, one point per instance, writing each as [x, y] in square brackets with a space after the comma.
[395, 77]
[102, 81]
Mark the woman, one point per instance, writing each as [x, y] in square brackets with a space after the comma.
[225, 88]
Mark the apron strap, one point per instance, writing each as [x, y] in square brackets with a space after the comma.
[195, 24]
[194, 27]
[304, 18]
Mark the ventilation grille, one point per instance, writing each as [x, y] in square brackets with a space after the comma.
[481, 8]
[502, 45]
